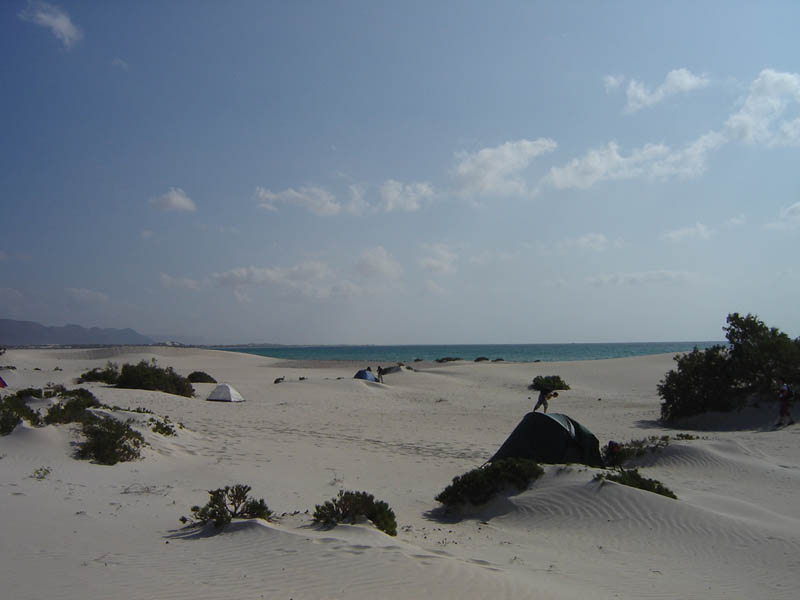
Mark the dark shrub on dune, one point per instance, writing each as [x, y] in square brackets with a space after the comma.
[632, 478]
[548, 383]
[109, 441]
[16, 407]
[108, 375]
[226, 504]
[200, 377]
[721, 378]
[348, 507]
[73, 407]
[480, 485]
[8, 421]
[149, 376]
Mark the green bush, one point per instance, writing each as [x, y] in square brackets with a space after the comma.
[632, 478]
[108, 375]
[614, 454]
[8, 421]
[109, 441]
[73, 409]
[163, 427]
[200, 377]
[16, 404]
[226, 504]
[721, 378]
[478, 486]
[548, 383]
[149, 376]
[348, 507]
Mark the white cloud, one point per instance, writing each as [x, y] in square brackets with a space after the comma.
[641, 278]
[591, 241]
[442, 259]
[312, 198]
[491, 257]
[146, 234]
[696, 231]
[404, 196]
[53, 18]
[242, 297]
[736, 221]
[789, 218]
[169, 282]
[378, 262]
[434, 288]
[119, 63]
[605, 164]
[175, 199]
[358, 204]
[679, 81]
[496, 171]
[312, 278]
[612, 82]
[87, 296]
[761, 117]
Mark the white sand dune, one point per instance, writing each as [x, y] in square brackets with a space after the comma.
[74, 529]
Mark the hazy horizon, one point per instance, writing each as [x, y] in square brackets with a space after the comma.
[325, 173]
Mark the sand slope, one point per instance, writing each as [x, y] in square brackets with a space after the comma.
[90, 531]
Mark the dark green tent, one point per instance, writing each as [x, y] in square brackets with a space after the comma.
[551, 438]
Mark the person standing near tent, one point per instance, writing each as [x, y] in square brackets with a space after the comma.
[544, 396]
[380, 373]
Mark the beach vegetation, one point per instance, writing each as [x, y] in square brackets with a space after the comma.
[8, 421]
[109, 374]
[548, 383]
[480, 485]
[200, 377]
[149, 376]
[350, 507]
[164, 427]
[445, 359]
[722, 378]
[632, 478]
[41, 473]
[16, 405]
[226, 504]
[73, 408]
[616, 453]
[109, 440]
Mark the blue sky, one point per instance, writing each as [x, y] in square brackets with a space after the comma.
[400, 172]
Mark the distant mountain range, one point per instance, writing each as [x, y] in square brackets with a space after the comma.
[29, 333]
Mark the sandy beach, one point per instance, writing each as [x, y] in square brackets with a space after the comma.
[90, 531]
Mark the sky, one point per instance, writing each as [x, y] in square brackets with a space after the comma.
[400, 172]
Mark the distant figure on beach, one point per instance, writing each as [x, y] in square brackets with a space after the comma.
[380, 373]
[544, 396]
[785, 395]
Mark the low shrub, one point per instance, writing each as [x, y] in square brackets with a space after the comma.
[226, 504]
[109, 441]
[16, 404]
[8, 421]
[108, 375]
[548, 383]
[348, 507]
[73, 408]
[478, 486]
[163, 427]
[615, 453]
[632, 478]
[149, 376]
[200, 377]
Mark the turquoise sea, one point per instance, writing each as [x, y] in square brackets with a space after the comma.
[469, 352]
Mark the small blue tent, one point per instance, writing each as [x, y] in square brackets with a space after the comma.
[364, 374]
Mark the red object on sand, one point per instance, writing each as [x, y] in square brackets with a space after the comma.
[2, 383]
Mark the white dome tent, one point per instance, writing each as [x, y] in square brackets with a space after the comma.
[225, 392]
